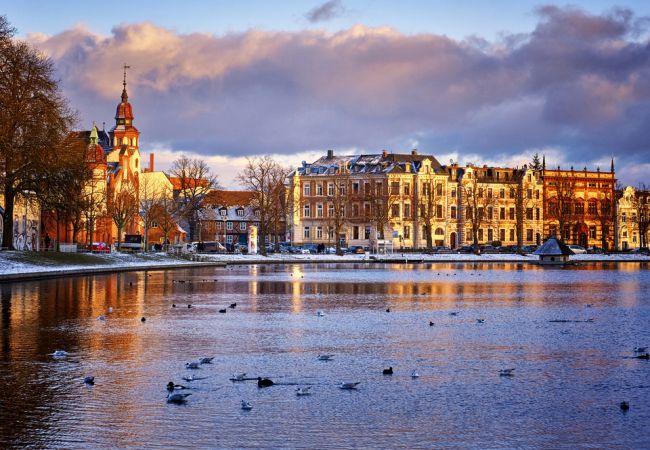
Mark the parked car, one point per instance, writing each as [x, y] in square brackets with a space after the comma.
[489, 249]
[467, 249]
[641, 250]
[313, 248]
[528, 248]
[577, 249]
[100, 247]
[595, 250]
[441, 249]
[358, 249]
[210, 247]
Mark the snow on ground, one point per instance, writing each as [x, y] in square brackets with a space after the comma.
[14, 263]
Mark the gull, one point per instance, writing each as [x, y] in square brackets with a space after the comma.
[325, 357]
[415, 374]
[480, 320]
[246, 406]
[506, 372]
[177, 398]
[320, 314]
[303, 390]
[206, 360]
[640, 349]
[90, 380]
[193, 378]
[349, 385]
[192, 365]
[59, 353]
[238, 376]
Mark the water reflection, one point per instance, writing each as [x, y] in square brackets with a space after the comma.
[569, 376]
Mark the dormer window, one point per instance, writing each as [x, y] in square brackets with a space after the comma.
[222, 212]
[240, 212]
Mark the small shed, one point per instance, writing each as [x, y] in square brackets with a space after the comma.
[553, 251]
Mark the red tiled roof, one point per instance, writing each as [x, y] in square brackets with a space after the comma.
[176, 182]
[221, 197]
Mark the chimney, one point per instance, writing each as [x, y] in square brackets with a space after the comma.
[414, 152]
[150, 162]
[330, 154]
[384, 153]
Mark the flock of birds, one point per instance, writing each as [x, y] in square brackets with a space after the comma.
[176, 397]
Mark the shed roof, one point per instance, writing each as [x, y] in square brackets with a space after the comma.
[553, 247]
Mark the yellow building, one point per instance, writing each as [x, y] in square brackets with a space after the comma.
[633, 219]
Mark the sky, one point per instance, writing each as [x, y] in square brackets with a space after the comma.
[469, 81]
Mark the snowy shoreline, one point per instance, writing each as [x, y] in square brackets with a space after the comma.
[20, 266]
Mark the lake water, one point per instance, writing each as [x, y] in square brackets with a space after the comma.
[568, 382]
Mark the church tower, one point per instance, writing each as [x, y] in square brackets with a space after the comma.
[124, 136]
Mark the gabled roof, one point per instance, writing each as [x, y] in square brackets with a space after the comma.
[176, 183]
[553, 247]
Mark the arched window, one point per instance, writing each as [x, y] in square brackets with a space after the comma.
[134, 142]
[439, 231]
[125, 141]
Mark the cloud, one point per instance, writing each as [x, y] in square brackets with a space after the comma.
[325, 12]
[578, 83]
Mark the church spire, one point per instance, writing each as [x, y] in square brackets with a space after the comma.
[612, 164]
[125, 96]
[543, 162]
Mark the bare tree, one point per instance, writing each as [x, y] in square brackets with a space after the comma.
[149, 199]
[123, 207]
[477, 201]
[195, 180]
[427, 207]
[604, 213]
[264, 177]
[641, 204]
[281, 207]
[560, 204]
[165, 213]
[34, 120]
[380, 203]
[338, 203]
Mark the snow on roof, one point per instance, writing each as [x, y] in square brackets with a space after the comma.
[553, 247]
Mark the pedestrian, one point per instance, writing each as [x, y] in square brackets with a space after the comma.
[48, 241]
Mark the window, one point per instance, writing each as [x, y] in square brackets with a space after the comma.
[330, 233]
[623, 217]
[512, 192]
[355, 232]
[219, 225]
[490, 235]
[330, 210]
[592, 232]
[319, 232]
[229, 239]
[394, 188]
[407, 210]
[529, 234]
[489, 192]
[529, 213]
[552, 230]
[511, 213]
[580, 208]
[512, 234]
[439, 231]
[407, 232]
[537, 194]
[306, 210]
[439, 189]
[330, 189]
[468, 212]
[490, 212]
[480, 192]
[319, 189]
[229, 226]
[591, 208]
[394, 211]
[480, 234]
[529, 193]
[306, 189]
[453, 212]
[306, 233]
[502, 214]
[242, 226]
[342, 189]
[536, 213]
[319, 210]
[367, 233]
[223, 212]
[502, 234]
[481, 213]
[366, 188]
[453, 192]
[355, 210]
[439, 211]
[355, 187]
[240, 212]
[407, 188]
[502, 193]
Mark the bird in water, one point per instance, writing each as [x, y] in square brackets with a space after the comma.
[238, 376]
[646, 356]
[143, 319]
[60, 353]
[177, 398]
[325, 357]
[388, 371]
[625, 406]
[171, 386]
[640, 349]
[246, 406]
[206, 360]
[453, 313]
[89, 380]
[415, 374]
[431, 323]
[506, 372]
[349, 385]
[101, 317]
[264, 382]
[222, 311]
[303, 390]
[192, 365]
[233, 305]
[173, 305]
[387, 309]
[193, 378]
[320, 314]
[189, 306]
[480, 320]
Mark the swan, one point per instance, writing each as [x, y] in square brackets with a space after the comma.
[349, 385]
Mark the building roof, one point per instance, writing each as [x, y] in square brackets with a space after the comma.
[553, 247]
[222, 197]
[176, 183]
